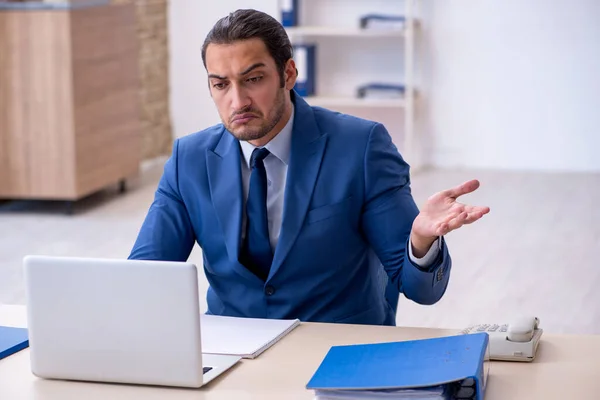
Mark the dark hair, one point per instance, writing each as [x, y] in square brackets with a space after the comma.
[251, 24]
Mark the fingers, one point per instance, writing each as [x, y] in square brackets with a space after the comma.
[477, 209]
[459, 221]
[449, 222]
[470, 211]
[458, 208]
[464, 218]
[443, 229]
[465, 188]
[472, 217]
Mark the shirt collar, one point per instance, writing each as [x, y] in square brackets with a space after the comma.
[280, 146]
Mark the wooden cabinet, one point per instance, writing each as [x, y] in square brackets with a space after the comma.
[69, 106]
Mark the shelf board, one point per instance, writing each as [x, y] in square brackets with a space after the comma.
[343, 32]
[340, 101]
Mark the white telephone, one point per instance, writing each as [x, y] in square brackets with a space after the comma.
[517, 341]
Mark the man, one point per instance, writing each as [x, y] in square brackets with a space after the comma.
[298, 210]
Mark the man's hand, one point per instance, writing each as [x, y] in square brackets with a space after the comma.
[442, 214]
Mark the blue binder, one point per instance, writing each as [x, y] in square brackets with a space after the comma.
[441, 368]
[12, 340]
[392, 21]
[381, 88]
[305, 58]
[289, 13]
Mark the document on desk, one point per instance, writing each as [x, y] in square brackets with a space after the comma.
[244, 337]
[445, 368]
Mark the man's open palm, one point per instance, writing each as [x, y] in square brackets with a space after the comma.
[442, 213]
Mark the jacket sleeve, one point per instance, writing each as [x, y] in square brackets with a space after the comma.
[387, 221]
[166, 233]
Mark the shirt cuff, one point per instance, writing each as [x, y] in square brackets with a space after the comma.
[428, 259]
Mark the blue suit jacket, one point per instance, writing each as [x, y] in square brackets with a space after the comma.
[348, 210]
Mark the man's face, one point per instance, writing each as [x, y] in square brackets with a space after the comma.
[245, 86]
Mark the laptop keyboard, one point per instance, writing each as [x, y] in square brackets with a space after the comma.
[205, 370]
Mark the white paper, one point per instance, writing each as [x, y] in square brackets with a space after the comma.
[434, 393]
[244, 337]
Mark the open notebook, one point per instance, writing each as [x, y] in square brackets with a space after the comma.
[244, 337]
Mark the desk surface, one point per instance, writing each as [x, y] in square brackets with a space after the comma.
[567, 367]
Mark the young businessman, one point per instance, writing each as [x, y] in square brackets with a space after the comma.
[298, 210]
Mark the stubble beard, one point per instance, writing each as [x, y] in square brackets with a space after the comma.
[248, 133]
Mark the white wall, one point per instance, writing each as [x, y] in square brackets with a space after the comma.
[505, 84]
[513, 84]
[190, 21]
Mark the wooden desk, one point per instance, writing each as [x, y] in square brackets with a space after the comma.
[568, 367]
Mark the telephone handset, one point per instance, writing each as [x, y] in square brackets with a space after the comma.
[516, 341]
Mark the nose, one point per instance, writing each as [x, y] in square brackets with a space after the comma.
[239, 99]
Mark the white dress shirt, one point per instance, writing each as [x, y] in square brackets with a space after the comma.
[276, 166]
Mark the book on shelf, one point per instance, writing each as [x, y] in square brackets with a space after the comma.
[305, 58]
[381, 91]
[382, 21]
[289, 12]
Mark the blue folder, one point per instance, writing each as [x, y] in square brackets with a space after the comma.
[389, 89]
[441, 368]
[305, 57]
[289, 13]
[367, 20]
[12, 340]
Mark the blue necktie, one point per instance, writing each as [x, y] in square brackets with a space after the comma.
[257, 254]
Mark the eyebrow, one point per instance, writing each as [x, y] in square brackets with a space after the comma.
[244, 72]
[215, 76]
[251, 68]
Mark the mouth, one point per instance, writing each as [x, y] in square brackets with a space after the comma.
[243, 118]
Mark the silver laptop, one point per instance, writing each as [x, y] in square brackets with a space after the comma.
[123, 321]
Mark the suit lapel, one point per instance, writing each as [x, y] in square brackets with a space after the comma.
[308, 145]
[225, 180]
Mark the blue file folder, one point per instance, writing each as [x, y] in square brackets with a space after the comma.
[374, 20]
[305, 58]
[440, 368]
[381, 89]
[12, 340]
[289, 13]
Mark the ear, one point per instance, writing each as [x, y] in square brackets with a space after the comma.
[290, 74]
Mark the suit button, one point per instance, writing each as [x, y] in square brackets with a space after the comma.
[269, 290]
[440, 275]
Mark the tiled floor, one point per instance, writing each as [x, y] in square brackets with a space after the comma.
[536, 252]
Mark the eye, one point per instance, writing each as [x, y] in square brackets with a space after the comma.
[219, 85]
[255, 79]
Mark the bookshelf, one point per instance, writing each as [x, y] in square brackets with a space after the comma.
[348, 101]
[348, 57]
[316, 31]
